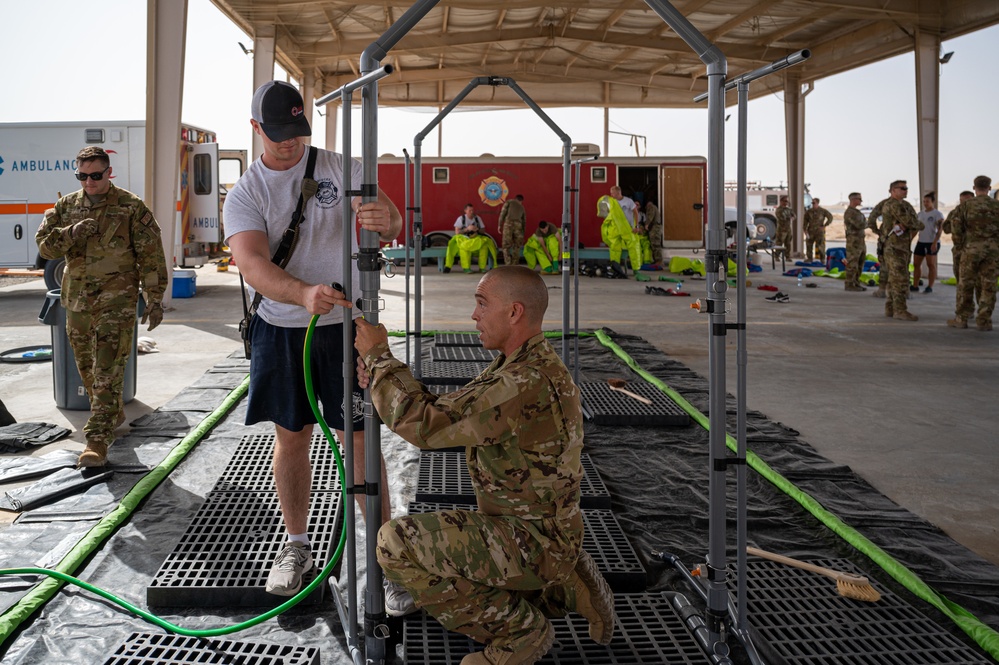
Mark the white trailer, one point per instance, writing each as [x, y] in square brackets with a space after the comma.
[37, 161]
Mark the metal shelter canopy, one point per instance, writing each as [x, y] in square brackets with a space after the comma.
[597, 53]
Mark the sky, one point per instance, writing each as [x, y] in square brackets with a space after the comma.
[860, 128]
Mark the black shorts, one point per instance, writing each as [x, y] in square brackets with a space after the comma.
[926, 248]
[277, 377]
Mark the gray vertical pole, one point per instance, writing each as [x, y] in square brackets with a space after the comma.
[567, 227]
[405, 239]
[575, 267]
[742, 362]
[715, 266]
[417, 332]
[349, 511]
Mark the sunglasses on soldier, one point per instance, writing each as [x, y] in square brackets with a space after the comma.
[96, 175]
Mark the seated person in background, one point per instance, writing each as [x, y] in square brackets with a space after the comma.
[498, 573]
[469, 236]
[542, 248]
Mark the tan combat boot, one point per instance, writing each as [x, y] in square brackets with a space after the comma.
[905, 315]
[95, 454]
[531, 653]
[985, 326]
[889, 309]
[594, 598]
[957, 322]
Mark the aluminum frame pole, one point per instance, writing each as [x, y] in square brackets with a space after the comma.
[716, 261]
[406, 176]
[376, 631]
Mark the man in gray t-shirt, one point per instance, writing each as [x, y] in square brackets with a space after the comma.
[257, 212]
[927, 243]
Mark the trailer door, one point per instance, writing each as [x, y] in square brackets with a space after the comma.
[201, 224]
[683, 205]
[15, 236]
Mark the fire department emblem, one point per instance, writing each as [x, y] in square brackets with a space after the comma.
[493, 191]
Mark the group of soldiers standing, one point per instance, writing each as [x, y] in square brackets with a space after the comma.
[973, 225]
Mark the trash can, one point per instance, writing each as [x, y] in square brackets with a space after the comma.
[67, 384]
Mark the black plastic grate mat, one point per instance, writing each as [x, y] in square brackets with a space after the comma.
[470, 354]
[456, 372]
[603, 538]
[457, 339]
[649, 630]
[149, 649]
[250, 469]
[609, 407]
[444, 478]
[801, 618]
[225, 555]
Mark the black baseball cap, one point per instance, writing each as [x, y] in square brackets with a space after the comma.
[279, 109]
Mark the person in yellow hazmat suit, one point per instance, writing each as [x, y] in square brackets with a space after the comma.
[617, 234]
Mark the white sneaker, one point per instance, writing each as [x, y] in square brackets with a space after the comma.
[293, 561]
[398, 601]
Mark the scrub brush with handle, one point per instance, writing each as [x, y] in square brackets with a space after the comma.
[848, 585]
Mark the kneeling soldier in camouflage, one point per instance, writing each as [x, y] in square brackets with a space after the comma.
[499, 573]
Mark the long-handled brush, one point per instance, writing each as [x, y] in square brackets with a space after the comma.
[618, 385]
[856, 587]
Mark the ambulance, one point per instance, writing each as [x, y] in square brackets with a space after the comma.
[37, 162]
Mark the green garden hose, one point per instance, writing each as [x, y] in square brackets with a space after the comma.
[985, 636]
[107, 526]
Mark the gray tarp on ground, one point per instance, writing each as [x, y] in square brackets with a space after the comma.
[657, 478]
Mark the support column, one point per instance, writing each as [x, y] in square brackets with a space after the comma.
[331, 129]
[309, 97]
[263, 69]
[794, 128]
[166, 30]
[928, 109]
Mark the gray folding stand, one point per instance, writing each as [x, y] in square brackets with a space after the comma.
[417, 238]
[376, 629]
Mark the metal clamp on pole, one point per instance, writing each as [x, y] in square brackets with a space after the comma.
[357, 83]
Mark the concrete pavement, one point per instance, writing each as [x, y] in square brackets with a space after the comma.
[909, 405]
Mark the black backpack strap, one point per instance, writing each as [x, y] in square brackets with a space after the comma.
[283, 253]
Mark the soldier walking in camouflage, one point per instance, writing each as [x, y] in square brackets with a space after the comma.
[496, 574]
[816, 221]
[856, 247]
[958, 248]
[872, 223]
[512, 220]
[899, 226]
[976, 224]
[112, 247]
[785, 223]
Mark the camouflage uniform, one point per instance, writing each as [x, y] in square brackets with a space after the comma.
[976, 225]
[785, 222]
[100, 290]
[898, 251]
[884, 273]
[816, 221]
[494, 574]
[856, 248]
[512, 218]
[654, 225]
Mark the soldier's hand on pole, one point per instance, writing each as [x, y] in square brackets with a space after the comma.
[153, 314]
[84, 228]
